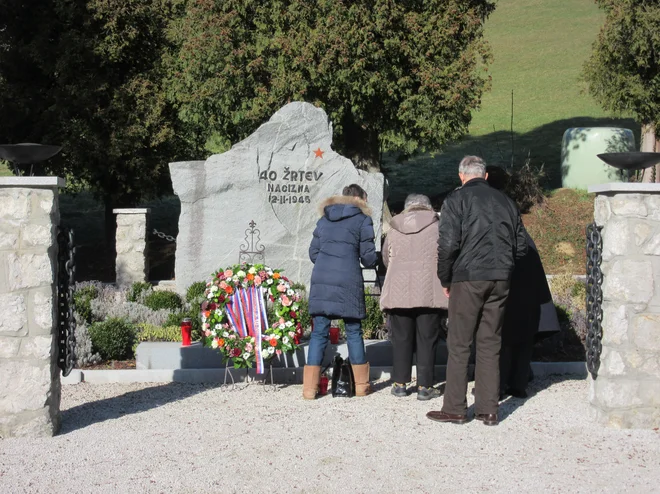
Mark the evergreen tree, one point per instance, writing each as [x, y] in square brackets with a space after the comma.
[392, 75]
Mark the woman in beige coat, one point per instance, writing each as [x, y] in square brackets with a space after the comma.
[412, 294]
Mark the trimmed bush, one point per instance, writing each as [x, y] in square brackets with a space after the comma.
[163, 300]
[148, 332]
[113, 339]
[136, 290]
[195, 292]
[133, 312]
[82, 299]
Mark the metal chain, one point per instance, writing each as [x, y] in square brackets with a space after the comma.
[594, 298]
[66, 278]
[164, 236]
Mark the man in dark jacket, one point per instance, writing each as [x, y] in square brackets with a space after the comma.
[344, 237]
[481, 236]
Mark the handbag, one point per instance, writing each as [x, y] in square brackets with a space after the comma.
[343, 382]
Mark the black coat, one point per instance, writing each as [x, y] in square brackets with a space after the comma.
[343, 237]
[481, 235]
[529, 289]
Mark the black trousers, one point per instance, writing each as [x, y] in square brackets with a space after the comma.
[414, 331]
[476, 309]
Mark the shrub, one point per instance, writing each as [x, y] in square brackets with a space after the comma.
[136, 291]
[375, 320]
[569, 296]
[148, 332]
[163, 300]
[195, 292]
[84, 354]
[524, 186]
[131, 311]
[82, 299]
[113, 339]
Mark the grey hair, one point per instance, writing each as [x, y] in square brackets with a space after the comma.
[472, 166]
[419, 201]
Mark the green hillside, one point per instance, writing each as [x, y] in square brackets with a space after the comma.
[539, 47]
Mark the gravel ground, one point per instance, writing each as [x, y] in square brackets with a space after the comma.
[199, 438]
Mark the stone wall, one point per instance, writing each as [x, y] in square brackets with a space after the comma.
[30, 390]
[626, 392]
[131, 263]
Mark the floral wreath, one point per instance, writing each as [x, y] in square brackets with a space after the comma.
[283, 329]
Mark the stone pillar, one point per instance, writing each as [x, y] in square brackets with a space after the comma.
[131, 263]
[30, 389]
[626, 391]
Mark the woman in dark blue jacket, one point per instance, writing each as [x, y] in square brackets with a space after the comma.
[343, 238]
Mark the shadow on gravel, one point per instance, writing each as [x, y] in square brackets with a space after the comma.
[129, 403]
[510, 405]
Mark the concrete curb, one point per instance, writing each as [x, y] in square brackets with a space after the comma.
[280, 375]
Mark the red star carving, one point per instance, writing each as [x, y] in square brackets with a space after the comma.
[319, 153]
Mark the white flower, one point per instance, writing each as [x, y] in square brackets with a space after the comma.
[292, 334]
[282, 326]
[241, 274]
[218, 326]
[252, 270]
[246, 356]
[290, 292]
[269, 272]
[210, 295]
[288, 324]
[285, 340]
[225, 334]
[235, 278]
[295, 307]
[277, 337]
[252, 339]
[269, 281]
[214, 288]
[271, 350]
[214, 344]
[218, 312]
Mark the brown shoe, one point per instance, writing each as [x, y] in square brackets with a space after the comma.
[487, 418]
[447, 417]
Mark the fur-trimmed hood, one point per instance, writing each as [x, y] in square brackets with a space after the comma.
[336, 208]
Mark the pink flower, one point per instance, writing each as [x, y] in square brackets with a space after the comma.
[223, 285]
[257, 280]
[291, 334]
[286, 301]
[282, 321]
[279, 352]
[229, 273]
[263, 275]
[248, 347]
[232, 336]
[281, 288]
[207, 333]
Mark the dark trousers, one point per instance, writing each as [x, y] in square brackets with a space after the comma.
[515, 363]
[475, 308]
[414, 331]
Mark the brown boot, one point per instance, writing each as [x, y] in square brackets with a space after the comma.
[361, 374]
[311, 377]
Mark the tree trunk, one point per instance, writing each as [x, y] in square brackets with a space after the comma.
[650, 144]
[361, 146]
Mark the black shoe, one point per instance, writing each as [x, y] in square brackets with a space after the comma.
[399, 390]
[447, 417]
[487, 418]
[425, 394]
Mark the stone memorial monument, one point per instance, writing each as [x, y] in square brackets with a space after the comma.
[276, 178]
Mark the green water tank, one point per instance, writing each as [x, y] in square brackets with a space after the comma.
[580, 165]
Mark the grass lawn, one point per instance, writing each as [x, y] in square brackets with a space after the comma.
[539, 47]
